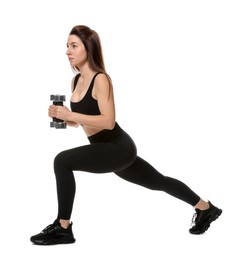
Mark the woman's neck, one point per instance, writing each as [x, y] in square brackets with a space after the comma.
[85, 71]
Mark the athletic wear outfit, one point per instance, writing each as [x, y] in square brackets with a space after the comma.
[109, 151]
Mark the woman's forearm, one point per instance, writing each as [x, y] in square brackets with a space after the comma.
[72, 124]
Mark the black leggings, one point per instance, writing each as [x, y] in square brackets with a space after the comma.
[111, 151]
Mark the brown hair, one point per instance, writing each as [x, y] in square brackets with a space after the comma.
[93, 47]
[92, 43]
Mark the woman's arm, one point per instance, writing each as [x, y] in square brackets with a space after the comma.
[73, 124]
[103, 92]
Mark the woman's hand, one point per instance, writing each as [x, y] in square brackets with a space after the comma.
[60, 112]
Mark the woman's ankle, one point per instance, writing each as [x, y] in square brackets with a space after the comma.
[202, 205]
[64, 223]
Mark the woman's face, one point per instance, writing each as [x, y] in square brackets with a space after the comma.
[76, 51]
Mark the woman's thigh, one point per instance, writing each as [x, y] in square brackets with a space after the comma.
[96, 158]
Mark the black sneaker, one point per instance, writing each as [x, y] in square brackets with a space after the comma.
[54, 234]
[203, 218]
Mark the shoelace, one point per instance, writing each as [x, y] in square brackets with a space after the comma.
[49, 228]
[194, 219]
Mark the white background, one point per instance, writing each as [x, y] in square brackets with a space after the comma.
[177, 69]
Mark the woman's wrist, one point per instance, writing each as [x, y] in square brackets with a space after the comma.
[70, 117]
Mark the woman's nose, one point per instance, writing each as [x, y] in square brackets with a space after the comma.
[68, 51]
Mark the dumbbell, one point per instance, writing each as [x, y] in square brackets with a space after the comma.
[57, 101]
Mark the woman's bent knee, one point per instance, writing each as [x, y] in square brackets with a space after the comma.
[60, 160]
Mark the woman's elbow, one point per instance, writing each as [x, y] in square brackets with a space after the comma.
[110, 124]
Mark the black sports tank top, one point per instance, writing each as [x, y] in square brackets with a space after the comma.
[87, 105]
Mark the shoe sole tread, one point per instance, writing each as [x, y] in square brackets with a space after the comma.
[54, 241]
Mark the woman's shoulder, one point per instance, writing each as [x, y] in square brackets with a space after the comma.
[102, 78]
[102, 84]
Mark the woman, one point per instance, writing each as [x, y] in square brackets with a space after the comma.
[110, 149]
